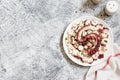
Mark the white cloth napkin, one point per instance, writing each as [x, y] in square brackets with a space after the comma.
[107, 70]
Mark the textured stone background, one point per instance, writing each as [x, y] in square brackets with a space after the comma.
[31, 33]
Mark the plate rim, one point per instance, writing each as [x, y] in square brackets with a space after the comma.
[73, 58]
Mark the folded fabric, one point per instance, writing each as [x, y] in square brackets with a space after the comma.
[108, 69]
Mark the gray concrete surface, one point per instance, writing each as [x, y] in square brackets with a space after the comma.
[31, 33]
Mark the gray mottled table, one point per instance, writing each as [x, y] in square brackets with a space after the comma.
[31, 37]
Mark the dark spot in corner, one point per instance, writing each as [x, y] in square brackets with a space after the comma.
[75, 11]
[4, 70]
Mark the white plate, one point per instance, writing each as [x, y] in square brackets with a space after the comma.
[109, 45]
